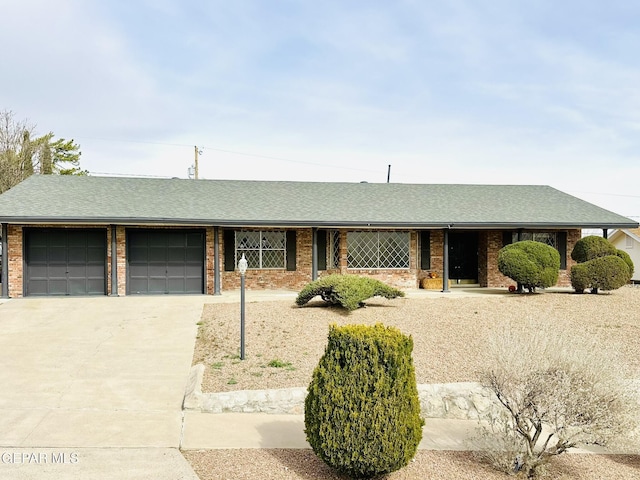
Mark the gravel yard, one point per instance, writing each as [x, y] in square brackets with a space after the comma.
[285, 342]
[427, 465]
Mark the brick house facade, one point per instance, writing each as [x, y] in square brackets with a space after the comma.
[108, 236]
[490, 242]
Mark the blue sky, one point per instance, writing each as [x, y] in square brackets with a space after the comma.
[456, 91]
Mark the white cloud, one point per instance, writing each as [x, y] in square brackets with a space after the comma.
[468, 91]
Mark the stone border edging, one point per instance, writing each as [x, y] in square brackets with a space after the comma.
[463, 401]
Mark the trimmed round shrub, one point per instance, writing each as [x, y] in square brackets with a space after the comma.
[601, 266]
[588, 248]
[627, 259]
[580, 277]
[362, 411]
[349, 291]
[608, 273]
[531, 264]
[602, 273]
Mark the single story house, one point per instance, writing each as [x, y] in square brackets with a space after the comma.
[74, 235]
[628, 240]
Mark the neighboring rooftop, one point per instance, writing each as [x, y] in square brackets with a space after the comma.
[87, 199]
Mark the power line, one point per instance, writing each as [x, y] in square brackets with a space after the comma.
[234, 152]
[111, 174]
[280, 159]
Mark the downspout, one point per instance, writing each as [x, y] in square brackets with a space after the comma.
[314, 255]
[4, 274]
[216, 261]
[445, 260]
[114, 262]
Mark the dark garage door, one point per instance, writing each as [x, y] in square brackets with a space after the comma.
[63, 261]
[165, 261]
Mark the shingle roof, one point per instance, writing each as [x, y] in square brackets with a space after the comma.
[74, 199]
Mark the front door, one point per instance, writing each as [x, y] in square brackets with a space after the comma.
[463, 257]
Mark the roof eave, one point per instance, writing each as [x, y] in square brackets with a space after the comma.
[310, 223]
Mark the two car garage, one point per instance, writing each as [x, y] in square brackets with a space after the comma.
[73, 261]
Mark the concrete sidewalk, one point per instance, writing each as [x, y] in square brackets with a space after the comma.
[94, 464]
[209, 431]
[263, 430]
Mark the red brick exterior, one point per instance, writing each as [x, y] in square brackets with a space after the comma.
[489, 243]
[278, 278]
[14, 247]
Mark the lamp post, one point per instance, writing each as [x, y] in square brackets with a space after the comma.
[242, 268]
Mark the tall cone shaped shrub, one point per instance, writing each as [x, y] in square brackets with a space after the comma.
[362, 411]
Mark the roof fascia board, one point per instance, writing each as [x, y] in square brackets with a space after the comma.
[306, 224]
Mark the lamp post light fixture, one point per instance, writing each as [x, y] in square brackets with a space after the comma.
[242, 268]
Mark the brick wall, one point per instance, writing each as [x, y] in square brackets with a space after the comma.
[565, 275]
[14, 247]
[496, 279]
[209, 251]
[273, 278]
[489, 243]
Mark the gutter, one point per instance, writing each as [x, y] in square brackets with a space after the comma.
[307, 224]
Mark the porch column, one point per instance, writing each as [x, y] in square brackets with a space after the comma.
[605, 232]
[216, 261]
[445, 261]
[4, 274]
[114, 262]
[314, 254]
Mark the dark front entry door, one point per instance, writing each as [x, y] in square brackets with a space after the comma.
[463, 256]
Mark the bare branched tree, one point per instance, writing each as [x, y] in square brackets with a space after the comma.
[22, 154]
[558, 390]
[16, 152]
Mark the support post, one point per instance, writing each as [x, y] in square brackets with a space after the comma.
[242, 316]
[314, 255]
[114, 262]
[216, 261]
[4, 274]
[242, 268]
[605, 232]
[445, 262]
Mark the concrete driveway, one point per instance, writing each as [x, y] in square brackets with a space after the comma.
[78, 374]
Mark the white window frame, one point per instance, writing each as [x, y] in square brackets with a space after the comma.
[262, 247]
[538, 237]
[376, 243]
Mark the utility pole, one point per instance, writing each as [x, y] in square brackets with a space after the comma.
[197, 152]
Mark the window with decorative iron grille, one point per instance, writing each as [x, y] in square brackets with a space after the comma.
[333, 254]
[262, 249]
[378, 250]
[550, 238]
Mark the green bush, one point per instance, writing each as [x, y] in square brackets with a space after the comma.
[531, 264]
[349, 291]
[580, 277]
[588, 248]
[607, 273]
[362, 412]
[627, 259]
[601, 266]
